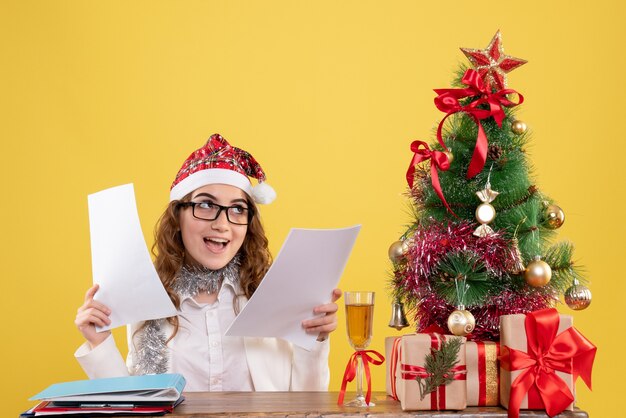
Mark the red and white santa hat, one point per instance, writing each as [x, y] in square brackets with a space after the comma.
[217, 162]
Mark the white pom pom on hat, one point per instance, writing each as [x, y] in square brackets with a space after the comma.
[263, 193]
[217, 162]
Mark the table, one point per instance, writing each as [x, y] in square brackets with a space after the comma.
[319, 404]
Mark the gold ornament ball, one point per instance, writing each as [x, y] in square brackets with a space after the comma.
[518, 127]
[449, 155]
[485, 213]
[461, 322]
[578, 297]
[554, 216]
[397, 251]
[538, 273]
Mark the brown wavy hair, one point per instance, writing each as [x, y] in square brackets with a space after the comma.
[169, 253]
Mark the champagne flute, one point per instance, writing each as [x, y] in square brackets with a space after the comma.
[359, 321]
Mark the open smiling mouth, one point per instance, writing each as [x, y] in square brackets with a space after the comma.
[216, 244]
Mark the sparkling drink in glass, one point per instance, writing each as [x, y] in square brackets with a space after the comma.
[359, 321]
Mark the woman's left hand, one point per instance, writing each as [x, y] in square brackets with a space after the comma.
[326, 324]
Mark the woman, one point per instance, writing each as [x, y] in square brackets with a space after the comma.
[211, 254]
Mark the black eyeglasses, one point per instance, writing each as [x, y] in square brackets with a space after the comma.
[209, 211]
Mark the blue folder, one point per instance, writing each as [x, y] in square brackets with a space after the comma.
[147, 388]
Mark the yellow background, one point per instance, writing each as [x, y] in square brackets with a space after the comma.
[327, 95]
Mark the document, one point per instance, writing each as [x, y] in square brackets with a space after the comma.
[121, 263]
[47, 408]
[146, 388]
[303, 276]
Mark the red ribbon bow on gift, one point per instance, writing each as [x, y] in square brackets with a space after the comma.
[448, 101]
[568, 352]
[438, 161]
[351, 369]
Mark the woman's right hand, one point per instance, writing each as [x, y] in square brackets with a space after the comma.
[89, 315]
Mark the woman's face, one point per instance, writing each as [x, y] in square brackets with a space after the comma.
[213, 244]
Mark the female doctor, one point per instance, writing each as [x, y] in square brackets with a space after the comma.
[211, 253]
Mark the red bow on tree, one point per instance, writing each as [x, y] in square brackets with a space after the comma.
[438, 161]
[568, 352]
[448, 101]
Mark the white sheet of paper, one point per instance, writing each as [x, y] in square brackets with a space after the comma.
[303, 276]
[121, 264]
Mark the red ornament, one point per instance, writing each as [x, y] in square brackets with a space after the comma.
[491, 63]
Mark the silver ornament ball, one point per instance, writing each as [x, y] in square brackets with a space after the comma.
[578, 297]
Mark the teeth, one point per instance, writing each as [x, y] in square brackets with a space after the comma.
[218, 240]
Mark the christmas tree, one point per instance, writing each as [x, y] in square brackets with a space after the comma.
[481, 244]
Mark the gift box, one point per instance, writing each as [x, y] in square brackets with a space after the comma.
[390, 373]
[415, 383]
[541, 357]
[483, 373]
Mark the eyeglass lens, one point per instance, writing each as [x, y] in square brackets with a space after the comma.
[210, 211]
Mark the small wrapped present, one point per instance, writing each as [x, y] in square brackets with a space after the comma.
[430, 372]
[541, 357]
[483, 373]
[390, 376]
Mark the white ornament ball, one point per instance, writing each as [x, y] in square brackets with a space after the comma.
[461, 322]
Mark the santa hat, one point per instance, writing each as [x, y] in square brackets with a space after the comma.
[217, 162]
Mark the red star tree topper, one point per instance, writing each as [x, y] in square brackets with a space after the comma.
[491, 63]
